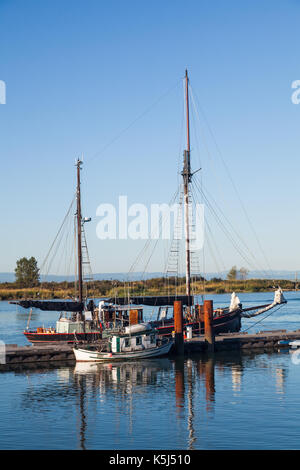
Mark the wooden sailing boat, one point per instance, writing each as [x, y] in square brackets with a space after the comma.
[77, 322]
[227, 319]
[80, 321]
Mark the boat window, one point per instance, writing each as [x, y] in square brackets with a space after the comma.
[138, 340]
[152, 339]
[127, 342]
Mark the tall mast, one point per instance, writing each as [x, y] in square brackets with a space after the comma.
[79, 222]
[187, 175]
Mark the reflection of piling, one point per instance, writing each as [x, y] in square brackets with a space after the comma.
[179, 383]
[178, 327]
[208, 325]
[210, 381]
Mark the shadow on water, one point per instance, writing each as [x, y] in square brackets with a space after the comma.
[192, 380]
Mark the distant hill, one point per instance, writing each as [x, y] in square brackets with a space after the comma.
[288, 275]
[7, 277]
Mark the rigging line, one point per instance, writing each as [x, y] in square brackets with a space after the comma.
[234, 187]
[211, 251]
[211, 237]
[149, 241]
[55, 251]
[193, 200]
[259, 321]
[195, 136]
[177, 222]
[224, 228]
[232, 227]
[140, 116]
[255, 266]
[236, 233]
[181, 145]
[227, 233]
[64, 253]
[161, 226]
[147, 245]
[65, 218]
[67, 229]
[70, 258]
[224, 214]
[204, 141]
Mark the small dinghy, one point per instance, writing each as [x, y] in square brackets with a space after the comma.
[137, 342]
[293, 344]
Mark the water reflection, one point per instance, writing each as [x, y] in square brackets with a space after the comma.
[127, 378]
[182, 389]
[179, 384]
[237, 373]
[281, 375]
[191, 382]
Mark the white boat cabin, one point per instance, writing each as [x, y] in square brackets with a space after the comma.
[136, 338]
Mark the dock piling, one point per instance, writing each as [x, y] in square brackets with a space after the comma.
[208, 325]
[178, 327]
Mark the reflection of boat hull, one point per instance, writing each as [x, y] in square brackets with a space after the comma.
[35, 337]
[227, 323]
[153, 364]
[85, 355]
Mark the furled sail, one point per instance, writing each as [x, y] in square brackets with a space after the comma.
[157, 301]
[278, 300]
[234, 302]
[51, 305]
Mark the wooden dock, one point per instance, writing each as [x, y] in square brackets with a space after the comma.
[15, 354]
[43, 354]
[237, 341]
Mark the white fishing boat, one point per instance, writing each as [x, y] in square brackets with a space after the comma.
[295, 344]
[136, 342]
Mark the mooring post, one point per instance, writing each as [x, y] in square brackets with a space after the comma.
[208, 325]
[178, 327]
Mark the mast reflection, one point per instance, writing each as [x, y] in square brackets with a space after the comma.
[191, 382]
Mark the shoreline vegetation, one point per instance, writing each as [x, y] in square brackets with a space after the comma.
[155, 286]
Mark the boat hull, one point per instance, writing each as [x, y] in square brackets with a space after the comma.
[34, 337]
[227, 323]
[84, 355]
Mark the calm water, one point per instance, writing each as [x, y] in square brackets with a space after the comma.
[228, 401]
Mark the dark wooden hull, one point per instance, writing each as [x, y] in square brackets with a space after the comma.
[227, 323]
[34, 337]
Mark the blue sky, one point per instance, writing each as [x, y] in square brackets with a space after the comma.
[105, 79]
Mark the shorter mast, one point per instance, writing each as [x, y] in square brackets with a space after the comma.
[79, 242]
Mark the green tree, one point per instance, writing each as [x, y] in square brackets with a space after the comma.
[232, 275]
[27, 272]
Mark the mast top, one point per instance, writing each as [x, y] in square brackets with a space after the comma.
[186, 173]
